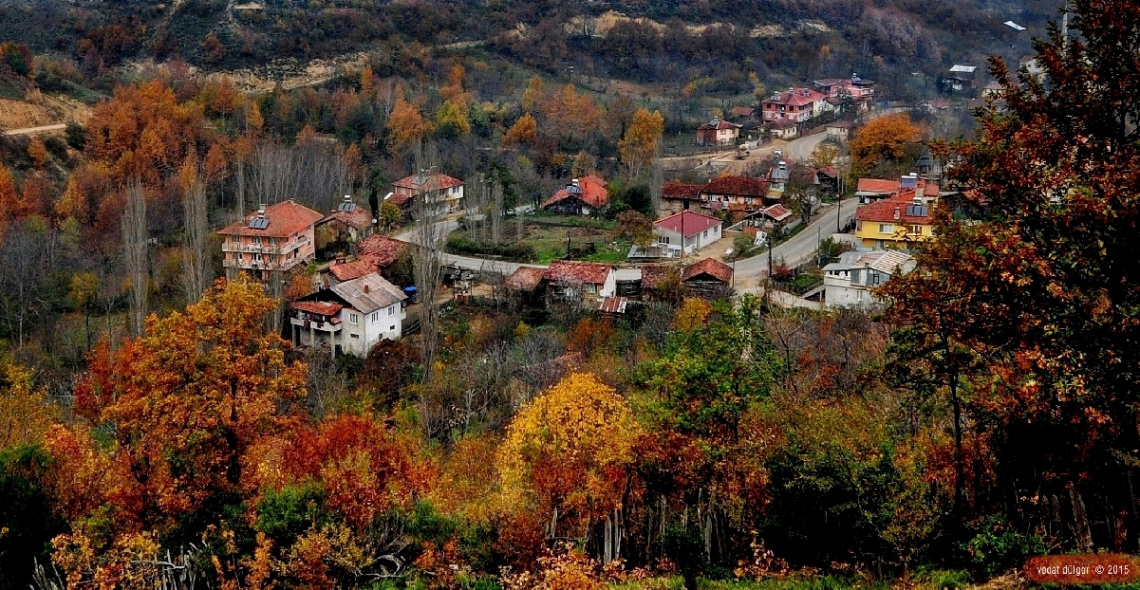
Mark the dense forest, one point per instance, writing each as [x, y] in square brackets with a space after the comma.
[156, 431]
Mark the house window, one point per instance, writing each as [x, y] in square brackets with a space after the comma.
[257, 241]
[353, 318]
[916, 230]
[391, 310]
[662, 240]
[747, 200]
[375, 317]
[591, 289]
[257, 257]
[886, 228]
[705, 234]
[874, 278]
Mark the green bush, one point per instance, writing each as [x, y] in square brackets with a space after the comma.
[287, 514]
[512, 252]
[997, 549]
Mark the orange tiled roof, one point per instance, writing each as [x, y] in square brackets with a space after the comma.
[325, 308]
[525, 278]
[710, 266]
[586, 272]
[359, 218]
[884, 212]
[382, 250]
[285, 219]
[878, 185]
[433, 182]
[353, 270]
[594, 192]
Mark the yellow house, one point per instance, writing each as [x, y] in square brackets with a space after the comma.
[896, 223]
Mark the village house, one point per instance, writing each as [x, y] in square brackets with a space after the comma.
[352, 316]
[740, 195]
[839, 131]
[858, 91]
[277, 238]
[870, 190]
[709, 278]
[526, 284]
[579, 282]
[582, 196]
[660, 282]
[679, 196]
[898, 222]
[796, 105]
[346, 224]
[783, 128]
[698, 231]
[375, 253]
[851, 281]
[718, 132]
[959, 78]
[746, 114]
[442, 193]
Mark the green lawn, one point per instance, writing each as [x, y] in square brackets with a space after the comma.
[550, 241]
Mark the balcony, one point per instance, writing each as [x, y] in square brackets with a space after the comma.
[331, 327]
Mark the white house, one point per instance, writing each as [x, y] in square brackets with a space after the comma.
[353, 315]
[699, 231]
[850, 282]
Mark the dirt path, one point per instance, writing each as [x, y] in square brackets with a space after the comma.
[33, 130]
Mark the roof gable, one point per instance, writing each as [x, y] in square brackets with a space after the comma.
[692, 223]
[709, 267]
[369, 293]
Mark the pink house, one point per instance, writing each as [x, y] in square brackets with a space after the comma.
[796, 105]
[278, 238]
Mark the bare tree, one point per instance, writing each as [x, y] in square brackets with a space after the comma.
[313, 174]
[134, 250]
[656, 178]
[496, 211]
[426, 258]
[24, 255]
[239, 188]
[195, 256]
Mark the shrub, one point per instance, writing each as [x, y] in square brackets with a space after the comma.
[513, 252]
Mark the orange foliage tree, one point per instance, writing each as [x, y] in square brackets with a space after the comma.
[187, 400]
[883, 140]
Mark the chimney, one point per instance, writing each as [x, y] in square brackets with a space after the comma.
[341, 260]
[898, 214]
[367, 289]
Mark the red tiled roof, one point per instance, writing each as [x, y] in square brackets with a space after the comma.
[680, 190]
[594, 192]
[719, 125]
[691, 223]
[744, 186]
[795, 97]
[325, 308]
[398, 199]
[652, 275]
[354, 269]
[526, 278]
[931, 190]
[382, 250]
[884, 212]
[709, 266]
[782, 124]
[359, 218]
[877, 185]
[586, 272]
[285, 219]
[433, 182]
[743, 111]
[829, 171]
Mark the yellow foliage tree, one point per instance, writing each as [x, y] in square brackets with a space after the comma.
[524, 131]
[641, 141]
[451, 120]
[567, 455]
[532, 96]
[25, 414]
[883, 138]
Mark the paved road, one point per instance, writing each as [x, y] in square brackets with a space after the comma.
[31, 130]
[801, 247]
[800, 149]
[446, 227]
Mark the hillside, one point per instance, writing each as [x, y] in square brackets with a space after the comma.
[780, 41]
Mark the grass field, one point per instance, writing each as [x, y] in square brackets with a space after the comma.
[553, 234]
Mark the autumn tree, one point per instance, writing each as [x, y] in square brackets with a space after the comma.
[38, 152]
[135, 255]
[886, 145]
[636, 227]
[406, 124]
[187, 400]
[567, 456]
[641, 143]
[1040, 291]
[524, 131]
